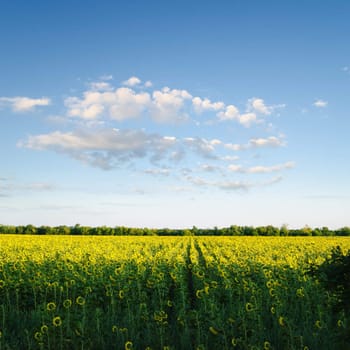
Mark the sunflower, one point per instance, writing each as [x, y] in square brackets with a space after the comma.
[80, 300]
[56, 321]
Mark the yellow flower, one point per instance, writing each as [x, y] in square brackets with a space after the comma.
[340, 323]
[300, 292]
[80, 300]
[67, 303]
[281, 321]
[267, 345]
[272, 292]
[114, 329]
[121, 294]
[128, 345]
[200, 274]
[44, 329]
[269, 284]
[273, 310]
[51, 306]
[38, 336]
[213, 330]
[318, 324]
[214, 284]
[56, 321]
[249, 307]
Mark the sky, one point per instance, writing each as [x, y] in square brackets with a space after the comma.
[175, 113]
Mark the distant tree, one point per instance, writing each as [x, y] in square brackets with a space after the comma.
[20, 230]
[188, 232]
[326, 232]
[235, 230]
[29, 230]
[249, 231]
[284, 230]
[344, 231]
[316, 232]
[76, 230]
[272, 231]
[306, 231]
[8, 229]
[194, 230]
[63, 230]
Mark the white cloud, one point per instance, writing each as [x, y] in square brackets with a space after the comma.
[231, 113]
[164, 106]
[103, 106]
[261, 169]
[9, 187]
[215, 142]
[247, 119]
[201, 146]
[100, 86]
[231, 185]
[24, 104]
[235, 168]
[104, 148]
[202, 105]
[121, 104]
[269, 169]
[258, 105]
[168, 105]
[157, 171]
[209, 168]
[229, 158]
[272, 181]
[234, 185]
[132, 81]
[320, 103]
[271, 141]
[128, 104]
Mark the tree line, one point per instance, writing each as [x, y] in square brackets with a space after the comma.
[232, 230]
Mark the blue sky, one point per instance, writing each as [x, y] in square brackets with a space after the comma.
[174, 114]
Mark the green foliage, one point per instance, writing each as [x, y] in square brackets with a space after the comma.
[59, 292]
[334, 275]
[232, 230]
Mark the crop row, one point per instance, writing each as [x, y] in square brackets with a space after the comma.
[165, 293]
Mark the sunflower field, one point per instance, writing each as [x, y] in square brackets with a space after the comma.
[89, 292]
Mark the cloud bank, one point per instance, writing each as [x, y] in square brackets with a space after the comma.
[101, 135]
[24, 104]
